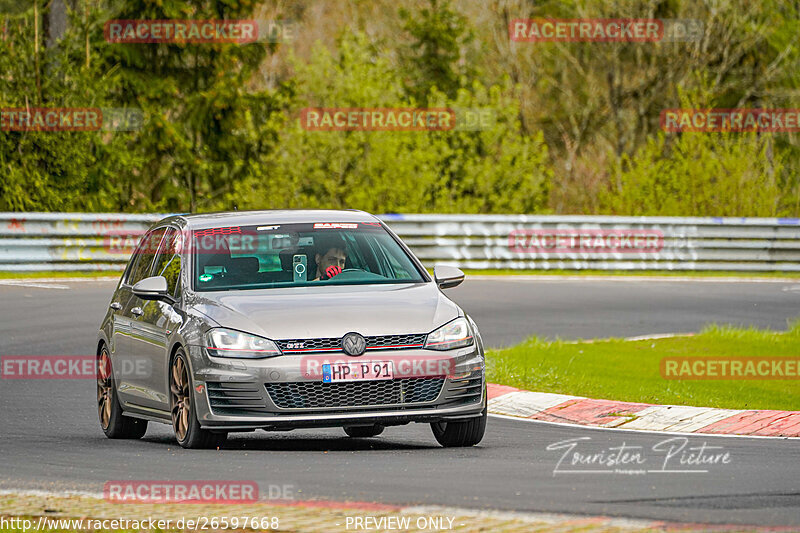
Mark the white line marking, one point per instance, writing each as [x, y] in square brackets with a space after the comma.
[649, 336]
[48, 493]
[657, 336]
[556, 278]
[61, 280]
[16, 283]
[569, 425]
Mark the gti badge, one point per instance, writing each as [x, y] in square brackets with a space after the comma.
[354, 344]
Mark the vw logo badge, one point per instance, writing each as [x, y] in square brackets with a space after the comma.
[354, 344]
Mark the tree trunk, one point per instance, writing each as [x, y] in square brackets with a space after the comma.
[57, 22]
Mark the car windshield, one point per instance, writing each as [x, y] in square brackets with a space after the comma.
[291, 255]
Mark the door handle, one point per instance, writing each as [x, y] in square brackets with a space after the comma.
[115, 306]
[137, 311]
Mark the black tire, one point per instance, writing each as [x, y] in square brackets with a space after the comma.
[115, 425]
[184, 415]
[364, 431]
[460, 434]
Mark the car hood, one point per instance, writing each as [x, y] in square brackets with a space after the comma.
[332, 311]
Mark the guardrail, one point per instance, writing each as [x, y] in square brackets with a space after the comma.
[83, 242]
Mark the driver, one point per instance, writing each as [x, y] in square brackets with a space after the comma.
[331, 255]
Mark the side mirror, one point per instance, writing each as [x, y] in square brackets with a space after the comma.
[153, 288]
[447, 276]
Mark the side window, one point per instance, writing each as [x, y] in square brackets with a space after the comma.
[394, 266]
[355, 252]
[143, 260]
[168, 260]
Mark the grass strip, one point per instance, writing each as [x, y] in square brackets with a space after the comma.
[616, 369]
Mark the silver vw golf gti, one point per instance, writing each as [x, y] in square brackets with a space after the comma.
[278, 320]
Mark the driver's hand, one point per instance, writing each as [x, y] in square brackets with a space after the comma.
[332, 271]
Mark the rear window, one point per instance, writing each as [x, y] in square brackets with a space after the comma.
[288, 255]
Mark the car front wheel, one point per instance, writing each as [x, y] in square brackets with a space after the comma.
[462, 433]
[184, 419]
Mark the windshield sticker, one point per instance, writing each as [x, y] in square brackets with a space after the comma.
[334, 225]
[218, 231]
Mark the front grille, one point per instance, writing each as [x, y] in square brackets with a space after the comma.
[315, 394]
[390, 341]
[333, 344]
[309, 345]
[224, 396]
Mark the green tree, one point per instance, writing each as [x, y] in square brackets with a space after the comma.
[436, 55]
[597, 100]
[208, 128]
[493, 170]
[56, 171]
[700, 174]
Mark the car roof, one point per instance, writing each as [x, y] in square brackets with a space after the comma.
[286, 216]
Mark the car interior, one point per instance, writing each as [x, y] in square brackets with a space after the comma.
[224, 267]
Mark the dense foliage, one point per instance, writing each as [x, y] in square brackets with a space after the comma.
[575, 126]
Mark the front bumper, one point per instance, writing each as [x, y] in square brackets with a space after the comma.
[234, 394]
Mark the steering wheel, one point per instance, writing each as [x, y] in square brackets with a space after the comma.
[345, 271]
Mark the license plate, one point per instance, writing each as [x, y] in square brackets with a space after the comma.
[357, 371]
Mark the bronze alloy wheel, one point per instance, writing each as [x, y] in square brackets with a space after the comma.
[104, 392]
[115, 424]
[188, 431]
[181, 408]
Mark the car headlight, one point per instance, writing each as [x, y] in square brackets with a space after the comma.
[455, 334]
[222, 342]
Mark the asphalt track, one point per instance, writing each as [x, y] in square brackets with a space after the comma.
[51, 439]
